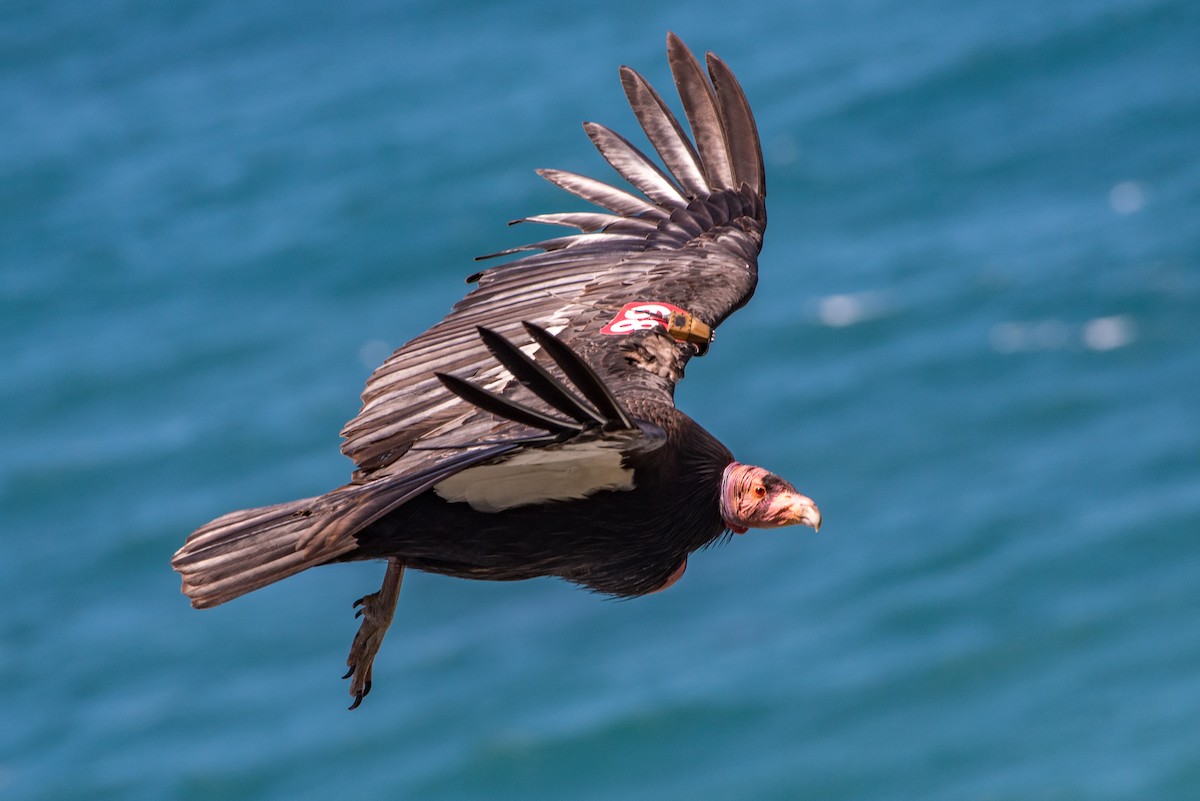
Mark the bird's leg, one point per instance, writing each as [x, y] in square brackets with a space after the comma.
[376, 612]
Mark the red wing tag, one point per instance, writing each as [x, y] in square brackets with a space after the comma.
[642, 317]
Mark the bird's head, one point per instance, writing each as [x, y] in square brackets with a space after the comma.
[752, 497]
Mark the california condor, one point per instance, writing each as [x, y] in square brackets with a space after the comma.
[533, 431]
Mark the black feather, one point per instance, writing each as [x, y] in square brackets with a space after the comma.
[700, 107]
[537, 379]
[503, 407]
[581, 375]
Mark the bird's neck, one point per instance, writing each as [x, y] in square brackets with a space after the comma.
[728, 490]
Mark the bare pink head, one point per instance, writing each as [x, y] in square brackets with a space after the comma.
[752, 497]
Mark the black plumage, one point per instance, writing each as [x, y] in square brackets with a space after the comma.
[533, 431]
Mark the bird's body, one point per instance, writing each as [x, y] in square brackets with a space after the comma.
[622, 542]
[533, 431]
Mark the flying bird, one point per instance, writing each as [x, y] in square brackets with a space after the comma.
[533, 431]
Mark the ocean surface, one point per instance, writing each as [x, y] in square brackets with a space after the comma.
[976, 343]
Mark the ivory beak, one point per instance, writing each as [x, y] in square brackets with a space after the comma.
[802, 509]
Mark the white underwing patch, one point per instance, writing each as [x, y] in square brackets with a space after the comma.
[568, 473]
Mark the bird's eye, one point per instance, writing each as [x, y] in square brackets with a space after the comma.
[760, 491]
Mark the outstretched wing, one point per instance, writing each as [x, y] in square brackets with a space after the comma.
[635, 292]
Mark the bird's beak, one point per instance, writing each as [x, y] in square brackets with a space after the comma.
[797, 508]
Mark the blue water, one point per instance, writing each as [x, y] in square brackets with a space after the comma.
[975, 344]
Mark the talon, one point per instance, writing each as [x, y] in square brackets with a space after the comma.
[376, 611]
[360, 695]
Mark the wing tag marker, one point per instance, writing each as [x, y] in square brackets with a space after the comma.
[642, 316]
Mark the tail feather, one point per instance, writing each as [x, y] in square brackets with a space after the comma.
[246, 550]
[243, 551]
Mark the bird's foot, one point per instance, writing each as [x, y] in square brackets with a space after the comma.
[376, 611]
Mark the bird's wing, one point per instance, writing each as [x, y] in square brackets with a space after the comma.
[636, 291]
